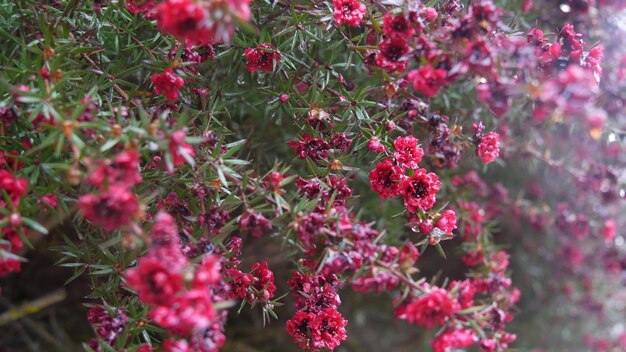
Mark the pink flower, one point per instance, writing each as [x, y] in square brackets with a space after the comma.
[254, 222]
[348, 11]
[488, 147]
[328, 329]
[180, 150]
[111, 209]
[298, 328]
[208, 272]
[193, 311]
[428, 80]
[447, 221]
[154, 280]
[429, 310]
[167, 84]
[454, 339]
[385, 179]
[262, 58]
[407, 151]
[420, 190]
[123, 170]
[185, 19]
[314, 148]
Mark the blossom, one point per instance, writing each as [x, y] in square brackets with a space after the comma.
[208, 272]
[348, 11]
[488, 147]
[429, 310]
[391, 55]
[314, 148]
[185, 19]
[454, 339]
[407, 151]
[123, 170]
[184, 314]
[397, 27]
[420, 190]
[154, 280]
[262, 58]
[427, 80]
[214, 219]
[317, 331]
[254, 222]
[447, 221]
[263, 281]
[179, 149]
[111, 209]
[298, 328]
[385, 179]
[107, 326]
[167, 84]
[328, 329]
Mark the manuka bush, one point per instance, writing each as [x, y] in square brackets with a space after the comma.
[284, 175]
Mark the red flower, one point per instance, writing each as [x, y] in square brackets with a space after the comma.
[239, 283]
[407, 152]
[185, 19]
[262, 58]
[154, 280]
[167, 84]
[454, 339]
[123, 170]
[314, 148]
[208, 273]
[488, 147]
[391, 55]
[190, 312]
[145, 7]
[298, 328]
[111, 209]
[328, 329]
[429, 310]
[348, 11]
[427, 80]
[180, 150]
[171, 345]
[263, 281]
[385, 179]
[447, 221]
[419, 190]
[254, 222]
[397, 27]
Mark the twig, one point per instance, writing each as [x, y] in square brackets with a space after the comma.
[32, 307]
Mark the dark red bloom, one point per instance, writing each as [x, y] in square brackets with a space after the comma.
[111, 209]
[348, 11]
[314, 148]
[167, 84]
[263, 281]
[254, 222]
[390, 57]
[262, 58]
[397, 27]
[420, 190]
[385, 179]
